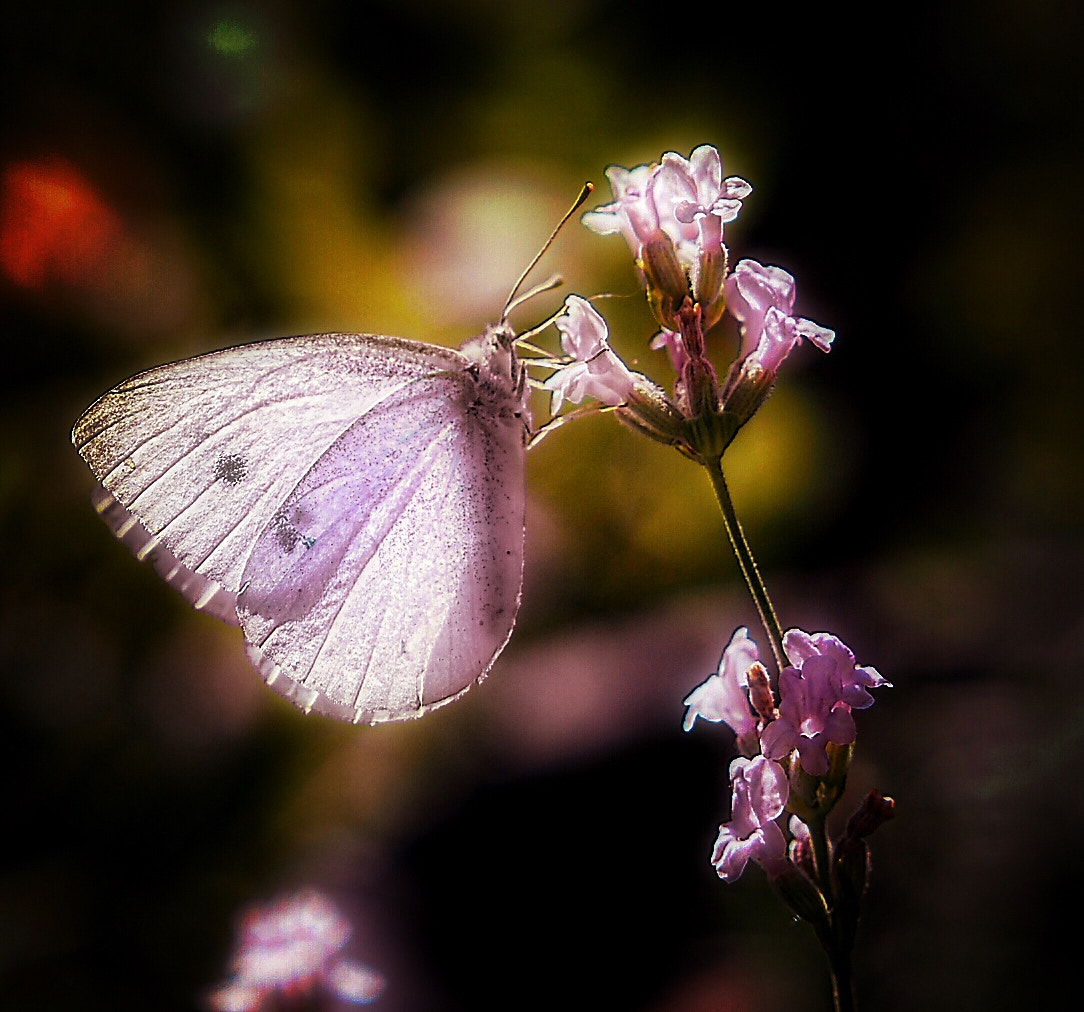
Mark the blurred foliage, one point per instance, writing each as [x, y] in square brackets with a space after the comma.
[199, 174]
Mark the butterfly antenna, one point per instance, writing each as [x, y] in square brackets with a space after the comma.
[585, 192]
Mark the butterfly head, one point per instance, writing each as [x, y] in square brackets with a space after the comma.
[499, 374]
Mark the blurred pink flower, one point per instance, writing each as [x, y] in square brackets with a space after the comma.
[291, 947]
[760, 791]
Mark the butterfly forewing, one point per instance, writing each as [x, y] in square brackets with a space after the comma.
[204, 451]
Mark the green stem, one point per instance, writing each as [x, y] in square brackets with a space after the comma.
[747, 563]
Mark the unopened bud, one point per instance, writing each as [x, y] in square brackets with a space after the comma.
[650, 411]
[760, 692]
[709, 284]
[801, 851]
[747, 388]
[800, 893]
[852, 851]
[874, 811]
[665, 279]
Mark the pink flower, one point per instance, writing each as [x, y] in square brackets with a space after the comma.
[596, 371]
[811, 714]
[632, 212]
[723, 696]
[760, 792]
[816, 696]
[762, 300]
[291, 947]
[801, 646]
[686, 198]
[694, 201]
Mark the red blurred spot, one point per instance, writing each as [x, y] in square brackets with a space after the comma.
[54, 225]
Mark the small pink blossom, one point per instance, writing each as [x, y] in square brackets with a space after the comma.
[762, 300]
[760, 791]
[801, 646]
[723, 696]
[632, 212]
[291, 947]
[597, 372]
[694, 201]
[811, 714]
[686, 199]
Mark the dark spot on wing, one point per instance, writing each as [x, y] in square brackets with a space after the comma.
[231, 468]
[287, 535]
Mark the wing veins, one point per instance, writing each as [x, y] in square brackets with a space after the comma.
[419, 467]
[208, 434]
[240, 519]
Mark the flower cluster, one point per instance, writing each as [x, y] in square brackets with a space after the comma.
[672, 215]
[818, 689]
[795, 730]
[289, 948]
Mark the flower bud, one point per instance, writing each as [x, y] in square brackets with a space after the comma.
[665, 280]
[747, 388]
[760, 692]
[709, 285]
[852, 851]
[874, 811]
[801, 848]
[800, 894]
[650, 411]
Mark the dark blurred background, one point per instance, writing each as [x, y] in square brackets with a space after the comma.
[182, 176]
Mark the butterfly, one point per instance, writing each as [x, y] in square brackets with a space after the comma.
[355, 503]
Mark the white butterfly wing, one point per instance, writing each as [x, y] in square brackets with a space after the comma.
[390, 578]
[203, 593]
[202, 452]
[407, 587]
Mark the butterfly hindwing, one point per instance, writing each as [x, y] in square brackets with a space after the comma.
[389, 579]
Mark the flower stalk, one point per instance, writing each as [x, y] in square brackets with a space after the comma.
[747, 563]
[794, 728]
